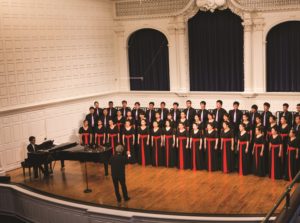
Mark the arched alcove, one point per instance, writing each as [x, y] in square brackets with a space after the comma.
[216, 43]
[283, 56]
[148, 56]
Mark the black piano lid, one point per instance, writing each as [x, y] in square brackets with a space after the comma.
[84, 149]
[45, 145]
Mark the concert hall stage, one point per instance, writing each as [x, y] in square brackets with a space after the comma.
[164, 190]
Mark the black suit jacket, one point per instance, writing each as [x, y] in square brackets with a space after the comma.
[296, 113]
[239, 116]
[105, 120]
[297, 129]
[139, 111]
[149, 122]
[221, 113]
[127, 109]
[205, 115]
[118, 163]
[98, 112]
[177, 112]
[113, 113]
[289, 117]
[88, 117]
[30, 148]
[265, 116]
[191, 116]
[165, 113]
[252, 118]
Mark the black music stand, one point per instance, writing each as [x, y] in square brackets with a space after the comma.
[87, 189]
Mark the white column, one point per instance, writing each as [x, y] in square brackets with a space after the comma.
[123, 78]
[182, 57]
[248, 54]
[172, 59]
[258, 58]
[2, 171]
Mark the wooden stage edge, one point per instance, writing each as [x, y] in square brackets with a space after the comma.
[162, 190]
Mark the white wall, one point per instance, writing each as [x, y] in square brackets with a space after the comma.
[51, 51]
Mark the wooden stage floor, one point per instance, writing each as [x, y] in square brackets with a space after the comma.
[162, 189]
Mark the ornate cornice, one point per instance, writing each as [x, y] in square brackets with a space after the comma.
[268, 5]
[143, 9]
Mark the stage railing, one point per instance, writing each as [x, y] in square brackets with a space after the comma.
[285, 196]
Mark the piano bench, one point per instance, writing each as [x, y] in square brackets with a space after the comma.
[25, 165]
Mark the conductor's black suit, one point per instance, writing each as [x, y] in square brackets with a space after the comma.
[118, 162]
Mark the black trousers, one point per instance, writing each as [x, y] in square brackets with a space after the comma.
[36, 170]
[123, 186]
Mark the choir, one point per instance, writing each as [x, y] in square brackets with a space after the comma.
[234, 141]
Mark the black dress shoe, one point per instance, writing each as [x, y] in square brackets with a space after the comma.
[127, 198]
[119, 200]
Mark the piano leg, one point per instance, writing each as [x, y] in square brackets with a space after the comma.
[50, 168]
[62, 164]
[36, 171]
[23, 171]
[106, 168]
[46, 169]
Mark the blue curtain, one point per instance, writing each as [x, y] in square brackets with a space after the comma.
[149, 59]
[216, 43]
[283, 57]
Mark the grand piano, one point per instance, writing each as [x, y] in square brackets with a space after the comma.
[47, 152]
[69, 151]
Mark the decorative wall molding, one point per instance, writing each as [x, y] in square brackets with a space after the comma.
[268, 5]
[148, 8]
[211, 5]
[258, 24]
[141, 9]
[44, 104]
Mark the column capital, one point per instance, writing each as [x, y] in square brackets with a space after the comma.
[172, 29]
[181, 25]
[258, 24]
[181, 28]
[247, 23]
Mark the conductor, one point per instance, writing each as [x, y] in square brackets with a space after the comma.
[118, 162]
